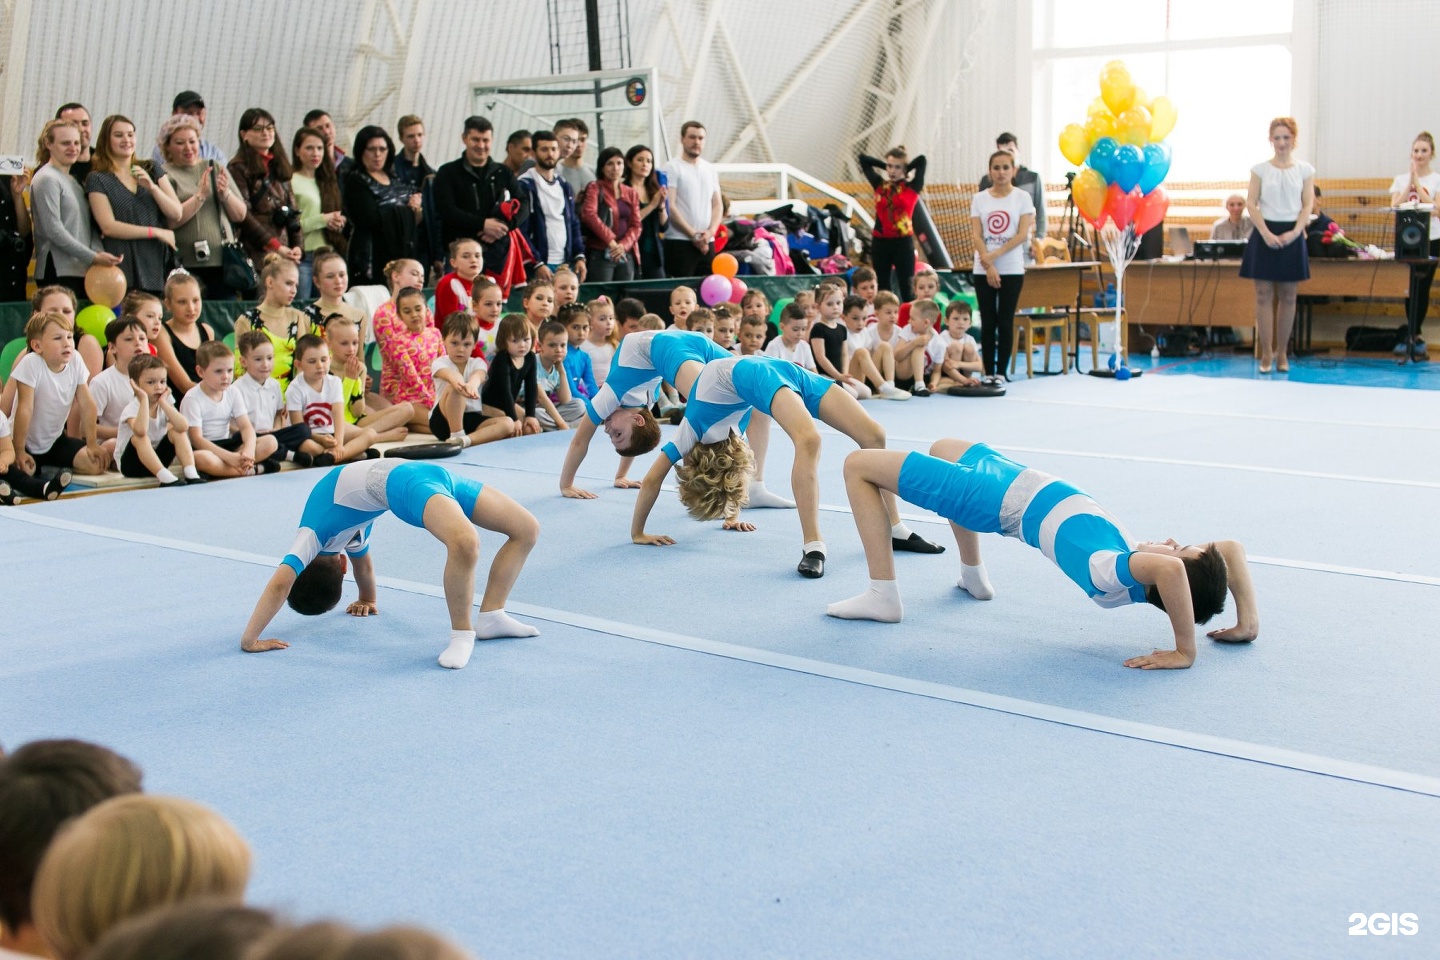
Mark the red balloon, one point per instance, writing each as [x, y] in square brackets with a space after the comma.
[1150, 211]
[1121, 205]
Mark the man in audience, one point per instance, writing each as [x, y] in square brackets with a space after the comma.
[79, 116]
[1025, 178]
[473, 194]
[694, 205]
[518, 152]
[572, 154]
[42, 785]
[190, 102]
[553, 227]
[320, 120]
[410, 164]
[1235, 225]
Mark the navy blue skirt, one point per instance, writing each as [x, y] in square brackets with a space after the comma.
[1289, 264]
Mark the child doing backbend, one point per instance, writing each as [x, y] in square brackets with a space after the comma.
[221, 433]
[459, 414]
[274, 315]
[152, 432]
[603, 338]
[316, 398]
[111, 387]
[406, 354]
[264, 402]
[391, 421]
[49, 380]
[338, 517]
[954, 354]
[578, 368]
[714, 467]
[510, 387]
[980, 491]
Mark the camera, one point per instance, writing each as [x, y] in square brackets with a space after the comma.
[202, 251]
[12, 243]
[284, 218]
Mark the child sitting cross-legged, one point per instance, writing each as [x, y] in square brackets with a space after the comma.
[265, 403]
[753, 331]
[558, 407]
[458, 416]
[578, 367]
[153, 434]
[407, 349]
[225, 441]
[49, 380]
[509, 390]
[390, 421]
[954, 354]
[110, 387]
[791, 344]
[316, 398]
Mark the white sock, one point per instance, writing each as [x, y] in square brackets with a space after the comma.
[462, 644]
[491, 624]
[900, 532]
[290, 456]
[881, 602]
[762, 497]
[464, 440]
[190, 472]
[814, 546]
[165, 476]
[976, 582]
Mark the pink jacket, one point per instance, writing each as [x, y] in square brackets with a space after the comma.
[597, 235]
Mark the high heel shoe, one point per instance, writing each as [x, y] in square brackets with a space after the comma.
[1264, 367]
[1282, 366]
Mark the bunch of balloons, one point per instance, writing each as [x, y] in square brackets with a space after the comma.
[722, 286]
[1123, 150]
[105, 287]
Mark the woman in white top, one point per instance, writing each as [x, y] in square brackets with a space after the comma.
[1282, 192]
[1000, 221]
[1419, 185]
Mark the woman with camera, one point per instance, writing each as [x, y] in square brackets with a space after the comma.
[384, 209]
[199, 237]
[131, 208]
[262, 175]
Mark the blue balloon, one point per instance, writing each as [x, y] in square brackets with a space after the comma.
[1128, 167]
[1102, 157]
[1157, 166]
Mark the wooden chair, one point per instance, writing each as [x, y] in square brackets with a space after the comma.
[1049, 324]
[1094, 316]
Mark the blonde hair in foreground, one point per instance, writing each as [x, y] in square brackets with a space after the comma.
[714, 478]
[130, 855]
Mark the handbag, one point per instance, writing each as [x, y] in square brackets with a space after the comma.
[236, 270]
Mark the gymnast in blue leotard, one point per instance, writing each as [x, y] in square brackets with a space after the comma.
[713, 461]
[980, 491]
[336, 524]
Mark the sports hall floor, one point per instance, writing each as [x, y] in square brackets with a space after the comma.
[693, 761]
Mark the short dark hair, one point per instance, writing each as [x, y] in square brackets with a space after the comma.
[251, 339]
[307, 343]
[629, 308]
[142, 362]
[792, 311]
[862, 275]
[543, 136]
[120, 324]
[550, 328]
[688, 124]
[567, 124]
[1209, 580]
[478, 123]
[69, 106]
[314, 115]
[42, 785]
[580, 125]
[571, 312]
[203, 927]
[460, 324]
[1005, 138]
[645, 437]
[317, 588]
[516, 136]
[853, 302]
[373, 132]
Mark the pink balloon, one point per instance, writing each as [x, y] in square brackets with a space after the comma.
[737, 289]
[715, 289]
[1151, 210]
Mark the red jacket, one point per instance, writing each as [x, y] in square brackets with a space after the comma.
[597, 235]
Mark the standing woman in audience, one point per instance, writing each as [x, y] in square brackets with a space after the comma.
[317, 193]
[896, 193]
[610, 215]
[131, 208]
[1419, 184]
[262, 174]
[197, 182]
[1000, 222]
[654, 216]
[66, 244]
[15, 238]
[1282, 191]
[384, 209]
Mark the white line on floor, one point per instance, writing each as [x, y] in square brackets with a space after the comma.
[1166, 411]
[1098, 723]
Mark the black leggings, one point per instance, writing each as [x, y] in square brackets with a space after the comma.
[1421, 276]
[997, 317]
[899, 253]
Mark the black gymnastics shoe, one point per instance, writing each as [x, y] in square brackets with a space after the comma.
[812, 565]
[372, 454]
[324, 459]
[56, 485]
[7, 495]
[915, 544]
[175, 484]
[198, 478]
[302, 459]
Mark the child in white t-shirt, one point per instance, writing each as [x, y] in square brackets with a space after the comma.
[1001, 219]
[49, 380]
[458, 415]
[15, 482]
[791, 344]
[870, 360]
[224, 440]
[600, 343]
[751, 340]
[317, 398]
[265, 403]
[152, 432]
[110, 387]
[907, 344]
[954, 354]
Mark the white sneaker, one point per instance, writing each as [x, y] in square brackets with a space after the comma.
[889, 391]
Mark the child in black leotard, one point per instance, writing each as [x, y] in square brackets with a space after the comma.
[186, 332]
[510, 389]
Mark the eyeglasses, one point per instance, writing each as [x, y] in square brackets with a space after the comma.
[263, 127]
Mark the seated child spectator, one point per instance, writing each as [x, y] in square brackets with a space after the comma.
[512, 378]
[567, 287]
[390, 422]
[702, 321]
[15, 482]
[538, 301]
[828, 344]
[628, 313]
[755, 305]
[316, 399]
[649, 321]
[925, 315]
[600, 343]
[111, 387]
[50, 379]
[44, 785]
[805, 299]
[406, 352]
[864, 285]
[399, 274]
[870, 360]
[908, 346]
[61, 300]
[274, 315]
[453, 291]
[221, 434]
[726, 326]
[487, 304]
[753, 331]
[201, 929]
[558, 406]
[183, 332]
[459, 414]
[927, 287]
[791, 344]
[954, 354]
[152, 433]
[578, 369]
[682, 304]
[149, 310]
[332, 282]
[265, 403]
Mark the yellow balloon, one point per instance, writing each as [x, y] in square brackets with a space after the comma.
[1097, 108]
[1074, 144]
[1142, 99]
[1162, 118]
[1133, 126]
[1116, 87]
[1097, 127]
[1089, 191]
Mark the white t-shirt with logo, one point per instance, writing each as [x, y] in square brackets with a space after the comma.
[211, 416]
[692, 185]
[54, 395]
[316, 407]
[112, 392]
[999, 219]
[262, 401]
[156, 429]
[442, 387]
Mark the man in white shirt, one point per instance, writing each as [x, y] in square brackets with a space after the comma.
[694, 205]
[1235, 225]
[553, 228]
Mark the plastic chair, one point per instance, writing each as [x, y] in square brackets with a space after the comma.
[12, 350]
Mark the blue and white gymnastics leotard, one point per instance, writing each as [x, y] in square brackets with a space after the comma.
[342, 507]
[642, 360]
[728, 389]
[989, 493]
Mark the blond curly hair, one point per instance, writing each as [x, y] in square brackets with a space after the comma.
[714, 478]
